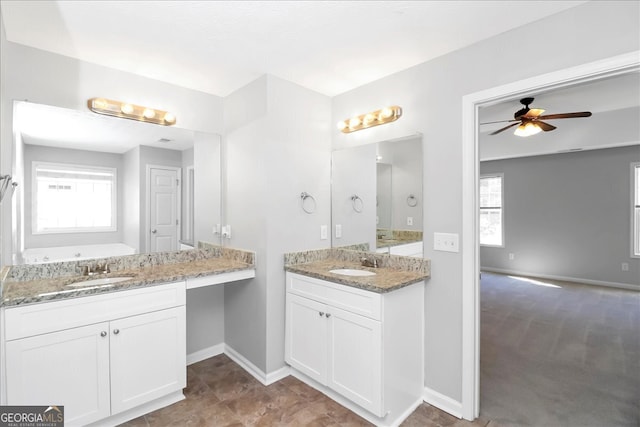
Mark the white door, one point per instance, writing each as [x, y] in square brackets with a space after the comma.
[148, 357]
[69, 368]
[306, 337]
[355, 359]
[164, 187]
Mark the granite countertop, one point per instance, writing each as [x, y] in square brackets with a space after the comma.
[20, 291]
[387, 279]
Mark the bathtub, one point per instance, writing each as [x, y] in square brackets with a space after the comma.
[75, 253]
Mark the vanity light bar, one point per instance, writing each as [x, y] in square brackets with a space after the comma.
[131, 111]
[375, 118]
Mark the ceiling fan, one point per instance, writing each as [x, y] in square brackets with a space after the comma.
[529, 120]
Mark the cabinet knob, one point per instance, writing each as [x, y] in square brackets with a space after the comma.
[103, 334]
[328, 315]
[116, 331]
[320, 313]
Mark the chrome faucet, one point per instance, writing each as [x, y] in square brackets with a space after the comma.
[373, 262]
[91, 269]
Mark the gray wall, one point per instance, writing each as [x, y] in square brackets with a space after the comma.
[567, 215]
[406, 178]
[277, 147]
[430, 95]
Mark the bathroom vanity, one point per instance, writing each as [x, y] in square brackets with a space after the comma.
[108, 347]
[356, 333]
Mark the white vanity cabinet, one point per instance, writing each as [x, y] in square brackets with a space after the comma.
[102, 357]
[364, 346]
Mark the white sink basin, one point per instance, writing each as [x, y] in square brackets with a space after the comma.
[352, 272]
[101, 281]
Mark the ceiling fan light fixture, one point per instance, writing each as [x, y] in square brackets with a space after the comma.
[527, 129]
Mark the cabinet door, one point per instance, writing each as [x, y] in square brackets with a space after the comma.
[306, 337]
[69, 368]
[148, 357]
[355, 359]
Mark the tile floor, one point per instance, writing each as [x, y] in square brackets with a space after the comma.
[221, 393]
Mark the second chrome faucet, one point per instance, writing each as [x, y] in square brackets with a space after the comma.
[370, 262]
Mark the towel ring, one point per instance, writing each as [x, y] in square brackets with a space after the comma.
[412, 201]
[7, 184]
[354, 202]
[304, 196]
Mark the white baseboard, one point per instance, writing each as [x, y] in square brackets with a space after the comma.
[563, 278]
[443, 402]
[138, 411]
[257, 373]
[206, 353]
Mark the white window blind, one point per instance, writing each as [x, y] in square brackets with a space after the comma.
[491, 210]
[73, 198]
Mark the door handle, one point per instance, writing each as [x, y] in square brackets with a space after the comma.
[103, 334]
[154, 231]
[116, 331]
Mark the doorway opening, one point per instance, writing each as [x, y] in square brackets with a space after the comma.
[471, 171]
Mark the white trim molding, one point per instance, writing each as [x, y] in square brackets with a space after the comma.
[243, 362]
[621, 64]
[200, 355]
[257, 373]
[443, 402]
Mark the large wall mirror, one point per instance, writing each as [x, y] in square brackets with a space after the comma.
[94, 186]
[376, 194]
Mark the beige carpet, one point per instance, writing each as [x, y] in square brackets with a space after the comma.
[558, 354]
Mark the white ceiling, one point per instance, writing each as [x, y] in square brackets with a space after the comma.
[219, 46]
[327, 46]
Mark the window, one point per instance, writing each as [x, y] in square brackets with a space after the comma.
[491, 212]
[73, 198]
[635, 167]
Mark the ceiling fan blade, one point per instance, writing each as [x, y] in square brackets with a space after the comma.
[499, 121]
[505, 128]
[545, 126]
[533, 113]
[566, 115]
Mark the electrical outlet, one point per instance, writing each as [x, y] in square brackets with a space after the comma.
[323, 232]
[512, 257]
[447, 242]
[338, 231]
[409, 220]
[625, 266]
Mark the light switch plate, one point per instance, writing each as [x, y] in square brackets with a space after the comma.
[447, 242]
[323, 232]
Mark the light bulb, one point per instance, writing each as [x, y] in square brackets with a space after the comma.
[386, 112]
[149, 113]
[100, 103]
[341, 125]
[169, 118]
[368, 119]
[527, 129]
[126, 108]
[354, 122]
